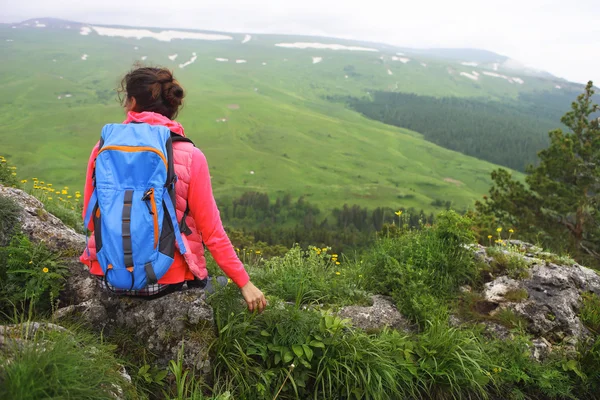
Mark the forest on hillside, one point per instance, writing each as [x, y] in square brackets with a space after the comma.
[508, 133]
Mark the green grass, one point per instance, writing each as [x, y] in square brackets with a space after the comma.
[285, 131]
[53, 365]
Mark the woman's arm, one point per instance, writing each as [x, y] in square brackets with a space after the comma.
[204, 210]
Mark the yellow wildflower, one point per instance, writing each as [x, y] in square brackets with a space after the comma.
[41, 182]
[14, 174]
[48, 184]
[324, 249]
[24, 181]
[337, 263]
[511, 231]
[489, 236]
[499, 230]
[337, 272]
[398, 213]
[77, 195]
[31, 262]
[63, 191]
[334, 256]
[49, 198]
[69, 197]
[45, 270]
[258, 252]
[35, 179]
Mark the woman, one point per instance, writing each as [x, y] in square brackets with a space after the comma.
[153, 96]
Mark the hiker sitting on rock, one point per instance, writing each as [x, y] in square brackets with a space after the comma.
[148, 199]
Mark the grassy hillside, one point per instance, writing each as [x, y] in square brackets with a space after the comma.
[279, 124]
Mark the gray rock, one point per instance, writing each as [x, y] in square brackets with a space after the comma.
[498, 288]
[541, 349]
[554, 291]
[174, 322]
[42, 226]
[382, 313]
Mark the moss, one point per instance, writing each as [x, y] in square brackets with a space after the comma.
[516, 295]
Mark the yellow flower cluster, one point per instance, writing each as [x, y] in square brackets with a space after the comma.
[334, 258]
[499, 240]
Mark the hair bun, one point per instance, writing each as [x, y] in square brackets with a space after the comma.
[173, 93]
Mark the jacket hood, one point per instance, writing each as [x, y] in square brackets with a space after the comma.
[153, 118]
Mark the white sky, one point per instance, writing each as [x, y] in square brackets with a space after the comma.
[561, 37]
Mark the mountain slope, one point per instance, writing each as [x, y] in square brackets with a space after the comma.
[261, 116]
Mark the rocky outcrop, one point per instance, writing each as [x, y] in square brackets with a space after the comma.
[41, 226]
[164, 326]
[383, 313]
[547, 300]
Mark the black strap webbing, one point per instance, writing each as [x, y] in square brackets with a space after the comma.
[150, 275]
[126, 228]
[183, 226]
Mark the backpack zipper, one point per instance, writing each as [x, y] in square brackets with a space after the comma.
[134, 149]
[149, 197]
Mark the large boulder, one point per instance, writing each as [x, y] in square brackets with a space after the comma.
[164, 326]
[548, 299]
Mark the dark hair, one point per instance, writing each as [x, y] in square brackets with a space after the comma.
[154, 90]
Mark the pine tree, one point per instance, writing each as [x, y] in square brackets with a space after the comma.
[560, 203]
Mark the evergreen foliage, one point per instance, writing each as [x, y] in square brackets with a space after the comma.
[559, 205]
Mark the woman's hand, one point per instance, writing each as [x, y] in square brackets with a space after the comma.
[254, 297]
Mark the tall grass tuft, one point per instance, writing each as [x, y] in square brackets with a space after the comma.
[60, 365]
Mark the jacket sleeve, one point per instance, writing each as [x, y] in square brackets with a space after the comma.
[89, 185]
[204, 210]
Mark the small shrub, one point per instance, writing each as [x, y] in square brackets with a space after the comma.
[519, 376]
[590, 312]
[509, 319]
[9, 219]
[311, 276]
[8, 173]
[516, 295]
[453, 363]
[423, 269]
[508, 262]
[60, 365]
[29, 273]
[589, 360]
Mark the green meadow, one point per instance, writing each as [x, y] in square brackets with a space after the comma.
[265, 125]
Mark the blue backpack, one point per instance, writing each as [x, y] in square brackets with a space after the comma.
[132, 204]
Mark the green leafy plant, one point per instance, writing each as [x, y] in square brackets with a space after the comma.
[590, 312]
[9, 219]
[422, 269]
[60, 364]
[30, 273]
[508, 261]
[8, 173]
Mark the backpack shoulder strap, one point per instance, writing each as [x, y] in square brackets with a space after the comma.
[178, 138]
[184, 228]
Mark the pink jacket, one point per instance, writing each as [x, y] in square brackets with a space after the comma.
[194, 188]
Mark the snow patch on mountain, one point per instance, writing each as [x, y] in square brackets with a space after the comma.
[324, 46]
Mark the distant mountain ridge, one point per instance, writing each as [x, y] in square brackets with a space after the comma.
[470, 56]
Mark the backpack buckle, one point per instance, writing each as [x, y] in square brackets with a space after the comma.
[171, 185]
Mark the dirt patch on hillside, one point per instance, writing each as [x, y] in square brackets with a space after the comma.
[233, 106]
[453, 181]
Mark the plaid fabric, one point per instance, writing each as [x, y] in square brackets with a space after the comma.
[152, 291]
[148, 291]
